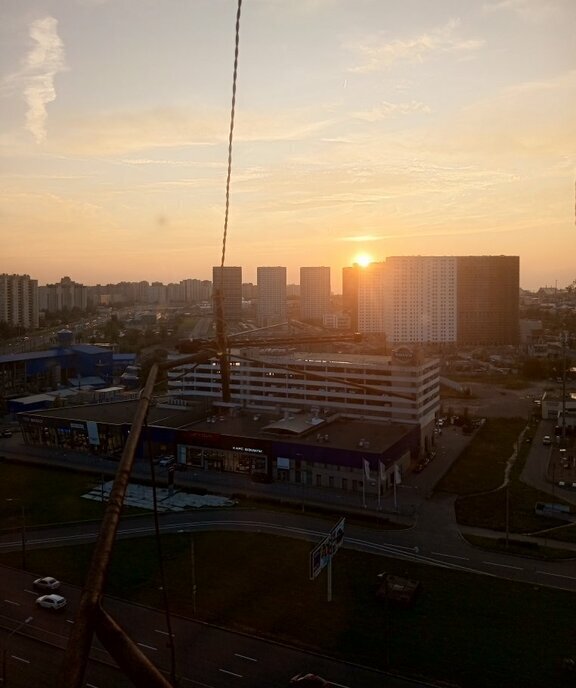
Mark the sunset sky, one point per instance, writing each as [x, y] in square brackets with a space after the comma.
[379, 127]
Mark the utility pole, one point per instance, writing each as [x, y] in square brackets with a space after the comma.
[5, 649]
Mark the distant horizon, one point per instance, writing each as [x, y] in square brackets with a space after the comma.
[335, 289]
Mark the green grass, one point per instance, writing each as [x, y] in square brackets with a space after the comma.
[482, 466]
[468, 629]
[48, 495]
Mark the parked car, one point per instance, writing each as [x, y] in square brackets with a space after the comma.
[164, 460]
[5, 433]
[51, 602]
[46, 583]
[546, 440]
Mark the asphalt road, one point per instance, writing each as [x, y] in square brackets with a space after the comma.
[206, 656]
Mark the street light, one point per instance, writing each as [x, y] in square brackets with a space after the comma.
[5, 649]
[22, 528]
[192, 569]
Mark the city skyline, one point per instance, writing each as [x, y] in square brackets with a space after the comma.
[360, 129]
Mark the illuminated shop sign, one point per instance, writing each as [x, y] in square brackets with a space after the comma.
[247, 450]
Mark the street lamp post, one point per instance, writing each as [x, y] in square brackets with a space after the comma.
[5, 648]
[192, 570]
[22, 529]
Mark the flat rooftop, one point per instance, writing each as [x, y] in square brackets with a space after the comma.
[341, 432]
[338, 431]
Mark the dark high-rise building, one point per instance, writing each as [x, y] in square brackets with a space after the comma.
[271, 307]
[487, 297]
[314, 293]
[350, 276]
[228, 280]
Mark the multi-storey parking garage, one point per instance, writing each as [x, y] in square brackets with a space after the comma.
[402, 388]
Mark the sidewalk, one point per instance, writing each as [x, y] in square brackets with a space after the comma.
[305, 497]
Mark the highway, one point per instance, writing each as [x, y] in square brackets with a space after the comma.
[434, 540]
[205, 656]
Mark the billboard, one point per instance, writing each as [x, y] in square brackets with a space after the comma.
[321, 555]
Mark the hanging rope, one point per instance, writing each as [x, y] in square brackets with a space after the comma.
[230, 137]
[219, 290]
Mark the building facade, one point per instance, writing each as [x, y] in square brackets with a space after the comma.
[19, 301]
[402, 388]
[463, 300]
[271, 303]
[64, 295]
[228, 281]
[314, 293]
[488, 298]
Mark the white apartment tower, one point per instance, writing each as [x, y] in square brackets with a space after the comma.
[314, 293]
[271, 305]
[412, 299]
[19, 300]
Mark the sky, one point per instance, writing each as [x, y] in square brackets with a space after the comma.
[363, 128]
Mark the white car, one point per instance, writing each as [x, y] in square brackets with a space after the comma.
[546, 440]
[52, 602]
[46, 583]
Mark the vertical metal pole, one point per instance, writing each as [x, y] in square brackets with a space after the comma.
[329, 581]
[507, 514]
[193, 571]
[23, 537]
[395, 495]
[379, 485]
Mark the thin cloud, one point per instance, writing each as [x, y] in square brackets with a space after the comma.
[44, 61]
[530, 10]
[378, 55]
[386, 110]
[431, 233]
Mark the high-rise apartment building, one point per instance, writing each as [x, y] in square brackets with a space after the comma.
[196, 291]
[64, 295]
[19, 300]
[488, 297]
[271, 304]
[350, 278]
[228, 281]
[465, 300]
[314, 293]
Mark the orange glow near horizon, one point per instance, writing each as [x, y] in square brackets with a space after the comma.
[363, 259]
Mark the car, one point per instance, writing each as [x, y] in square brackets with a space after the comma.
[6, 433]
[51, 602]
[309, 681]
[164, 460]
[46, 583]
[546, 440]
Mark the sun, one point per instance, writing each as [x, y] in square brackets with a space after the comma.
[363, 259]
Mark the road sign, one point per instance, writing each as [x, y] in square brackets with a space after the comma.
[322, 554]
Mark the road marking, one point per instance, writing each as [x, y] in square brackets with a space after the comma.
[224, 671]
[558, 575]
[31, 592]
[340, 685]
[17, 604]
[450, 556]
[250, 659]
[504, 566]
[69, 621]
[20, 659]
[157, 630]
[148, 647]
[91, 685]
